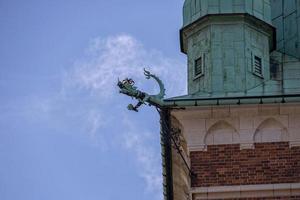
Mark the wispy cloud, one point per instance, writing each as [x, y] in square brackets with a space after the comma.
[89, 101]
[147, 157]
[108, 59]
[123, 56]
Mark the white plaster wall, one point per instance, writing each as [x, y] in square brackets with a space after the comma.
[244, 124]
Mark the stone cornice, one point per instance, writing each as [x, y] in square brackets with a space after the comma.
[244, 125]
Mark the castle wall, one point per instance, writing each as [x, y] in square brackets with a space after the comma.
[266, 163]
[242, 151]
[239, 151]
[181, 178]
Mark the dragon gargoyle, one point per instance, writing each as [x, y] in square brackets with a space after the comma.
[127, 87]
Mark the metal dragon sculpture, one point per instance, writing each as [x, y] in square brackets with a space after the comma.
[127, 87]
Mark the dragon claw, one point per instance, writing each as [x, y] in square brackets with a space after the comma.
[131, 107]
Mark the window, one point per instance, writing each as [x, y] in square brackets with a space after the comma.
[199, 66]
[258, 66]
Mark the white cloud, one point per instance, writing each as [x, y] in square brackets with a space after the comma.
[94, 107]
[89, 101]
[123, 56]
[138, 142]
[96, 121]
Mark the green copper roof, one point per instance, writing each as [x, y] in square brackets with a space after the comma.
[286, 19]
[230, 48]
[195, 9]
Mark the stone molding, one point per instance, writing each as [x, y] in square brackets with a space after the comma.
[245, 191]
[240, 124]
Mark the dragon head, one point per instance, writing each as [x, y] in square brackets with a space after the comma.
[127, 87]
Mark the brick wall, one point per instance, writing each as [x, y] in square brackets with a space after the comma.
[267, 163]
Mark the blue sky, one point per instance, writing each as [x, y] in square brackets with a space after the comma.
[65, 132]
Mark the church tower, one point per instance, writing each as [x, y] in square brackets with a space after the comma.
[228, 45]
[236, 134]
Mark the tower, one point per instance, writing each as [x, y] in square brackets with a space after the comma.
[235, 135]
[238, 126]
[228, 45]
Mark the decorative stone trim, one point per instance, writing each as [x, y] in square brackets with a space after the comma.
[242, 146]
[244, 125]
[294, 144]
[245, 191]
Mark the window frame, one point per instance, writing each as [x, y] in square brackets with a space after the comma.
[254, 66]
[202, 57]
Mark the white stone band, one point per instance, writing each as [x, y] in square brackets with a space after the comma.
[246, 191]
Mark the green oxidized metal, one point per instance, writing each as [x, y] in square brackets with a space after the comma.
[194, 9]
[286, 19]
[232, 53]
[127, 87]
[226, 36]
[235, 54]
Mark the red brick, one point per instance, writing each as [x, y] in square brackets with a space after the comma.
[267, 163]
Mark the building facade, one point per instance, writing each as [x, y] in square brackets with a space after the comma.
[236, 134]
